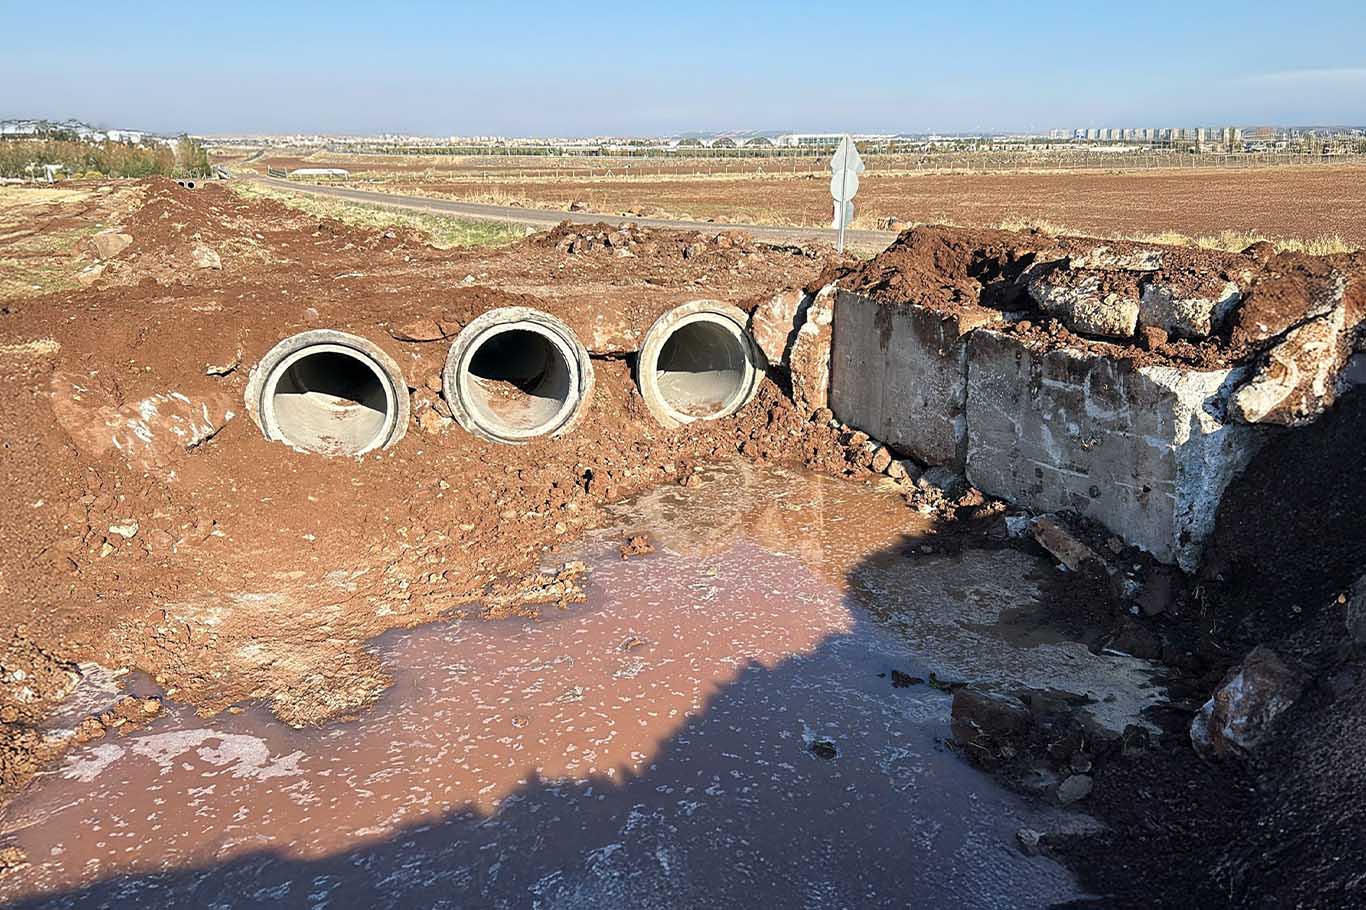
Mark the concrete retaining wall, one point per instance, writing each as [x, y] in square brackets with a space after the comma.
[1146, 451]
[899, 373]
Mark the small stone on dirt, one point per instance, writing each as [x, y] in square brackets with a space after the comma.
[1076, 787]
[904, 681]
[1030, 841]
[637, 545]
[1066, 548]
[1150, 337]
[108, 244]
[127, 528]
[205, 258]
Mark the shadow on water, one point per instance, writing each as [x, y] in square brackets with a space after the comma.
[800, 777]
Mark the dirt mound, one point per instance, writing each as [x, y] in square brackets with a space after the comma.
[229, 568]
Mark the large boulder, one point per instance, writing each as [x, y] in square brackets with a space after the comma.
[1089, 301]
[774, 323]
[1191, 312]
[1241, 713]
[151, 433]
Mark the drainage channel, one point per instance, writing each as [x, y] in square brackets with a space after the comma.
[716, 722]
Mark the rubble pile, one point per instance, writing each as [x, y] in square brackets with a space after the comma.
[1294, 320]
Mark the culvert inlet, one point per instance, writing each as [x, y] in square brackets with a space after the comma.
[328, 392]
[515, 374]
[698, 363]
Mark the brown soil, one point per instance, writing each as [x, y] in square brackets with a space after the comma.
[257, 572]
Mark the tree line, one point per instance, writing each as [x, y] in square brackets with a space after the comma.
[23, 157]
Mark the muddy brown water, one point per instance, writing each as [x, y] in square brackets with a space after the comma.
[714, 727]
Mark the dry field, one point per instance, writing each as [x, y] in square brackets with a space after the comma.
[1321, 203]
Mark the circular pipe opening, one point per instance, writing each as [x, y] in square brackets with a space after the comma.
[698, 363]
[329, 393]
[514, 374]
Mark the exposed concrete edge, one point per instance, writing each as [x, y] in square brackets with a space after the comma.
[1212, 451]
[930, 345]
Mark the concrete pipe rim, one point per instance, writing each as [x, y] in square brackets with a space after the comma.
[566, 382]
[323, 375]
[714, 323]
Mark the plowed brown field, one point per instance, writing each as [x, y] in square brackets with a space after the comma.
[1288, 202]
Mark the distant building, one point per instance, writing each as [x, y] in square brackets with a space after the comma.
[808, 140]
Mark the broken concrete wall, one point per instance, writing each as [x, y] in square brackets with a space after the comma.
[899, 373]
[1146, 451]
[808, 357]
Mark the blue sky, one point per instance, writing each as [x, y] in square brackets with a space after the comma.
[571, 68]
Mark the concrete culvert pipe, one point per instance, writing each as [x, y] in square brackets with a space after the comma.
[514, 374]
[329, 392]
[698, 362]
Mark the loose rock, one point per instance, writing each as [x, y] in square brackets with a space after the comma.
[1090, 302]
[108, 244]
[1075, 788]
[775, 322]
[1054, 537]
[1247, 703]
[988, 724]
[205, 258]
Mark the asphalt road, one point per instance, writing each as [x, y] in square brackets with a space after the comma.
[865, 241]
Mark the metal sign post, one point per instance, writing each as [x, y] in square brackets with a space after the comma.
[845, 167]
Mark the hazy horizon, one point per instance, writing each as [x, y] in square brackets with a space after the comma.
[541, 70]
